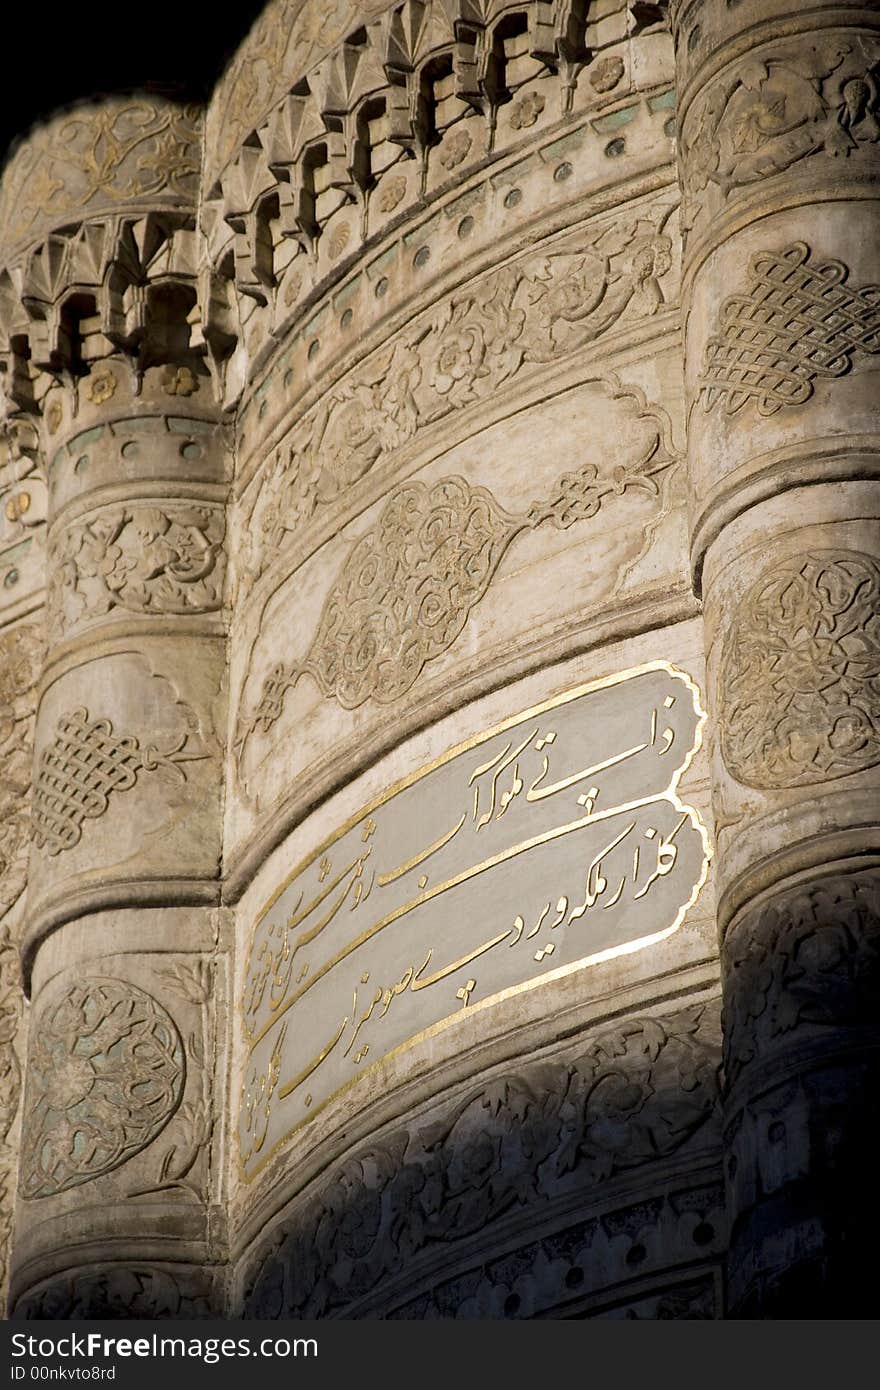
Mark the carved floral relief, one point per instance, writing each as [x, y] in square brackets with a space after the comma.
[122, 1291]
[531, 312]
[106, 1072]
[636, 1092]
[800, 672]
[151, 559]
[406, 591]
[780, 107]
[115, 153]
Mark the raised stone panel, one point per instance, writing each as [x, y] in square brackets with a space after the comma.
[513, 525]
[609, 836]
[125, 779]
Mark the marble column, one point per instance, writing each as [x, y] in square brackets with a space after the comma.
[779, 119]
[123, 942]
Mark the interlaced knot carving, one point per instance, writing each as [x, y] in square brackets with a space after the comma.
[81, 767]
[798, 322]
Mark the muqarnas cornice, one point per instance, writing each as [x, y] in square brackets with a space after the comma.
[293, 38]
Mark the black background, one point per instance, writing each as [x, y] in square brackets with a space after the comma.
[53, 53]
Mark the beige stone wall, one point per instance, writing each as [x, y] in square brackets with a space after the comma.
[451, 361]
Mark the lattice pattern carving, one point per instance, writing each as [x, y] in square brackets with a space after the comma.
[82, 767]
[798, 322]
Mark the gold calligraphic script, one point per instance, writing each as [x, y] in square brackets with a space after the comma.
[549, 843]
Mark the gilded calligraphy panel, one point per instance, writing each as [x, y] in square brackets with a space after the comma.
[545, 845]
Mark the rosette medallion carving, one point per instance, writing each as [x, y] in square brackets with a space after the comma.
[800, 672]
[106, 1073]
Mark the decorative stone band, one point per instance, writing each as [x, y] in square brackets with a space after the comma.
[408, 587]
[798, 322]
[133, 1290]
[784, 105]
[551, 1132]
[464, 352]
[146, 558]
[352, 48]
[122, 153]
[806, 962]
[550, 843]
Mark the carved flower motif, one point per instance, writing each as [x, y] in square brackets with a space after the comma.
[347, 446]
[391, 193]
[527, 110]
[97, 556]
[570, 302]
[101, 387]
[606, 73]
[359, 1224]
[457, 358]
[456, 148]
[179, 381]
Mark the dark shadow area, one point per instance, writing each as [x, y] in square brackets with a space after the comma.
[58, 53]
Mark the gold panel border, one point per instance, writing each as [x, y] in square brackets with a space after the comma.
[561, 972]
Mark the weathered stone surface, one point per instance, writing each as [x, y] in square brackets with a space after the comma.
[439, 657]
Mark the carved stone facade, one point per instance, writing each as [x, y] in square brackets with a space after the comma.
[440, 672]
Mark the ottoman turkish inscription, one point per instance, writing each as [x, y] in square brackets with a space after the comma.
[549, 843]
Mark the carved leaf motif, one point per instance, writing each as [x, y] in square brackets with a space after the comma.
[120, 1291]
[191, 979]
[105, 1074]
[781, 107]
[144, 559]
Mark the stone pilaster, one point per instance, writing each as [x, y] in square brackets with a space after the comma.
[779, 121]
[122, 940]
